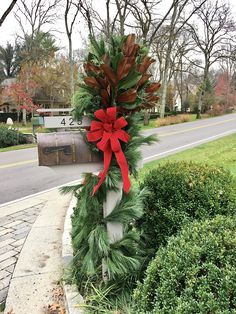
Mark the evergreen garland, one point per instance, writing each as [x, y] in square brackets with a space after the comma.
[115, 74]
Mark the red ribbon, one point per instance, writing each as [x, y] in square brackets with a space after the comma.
[109, 132]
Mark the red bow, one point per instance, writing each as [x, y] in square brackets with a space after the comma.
[110, 133]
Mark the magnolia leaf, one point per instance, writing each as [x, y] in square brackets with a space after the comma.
[134, 105]
[92, 82]
[130, 39]
[152, 98]
[105, 97]
[109, 73]
[128, 43]
[106, 59]
[103, 82]
[130, 81]
[153, 87]
[127, 97]
[90, 67]
[115, 60]
[124, 67]
[132, 50]
[88, 89]
[144, 79]
[146, 62]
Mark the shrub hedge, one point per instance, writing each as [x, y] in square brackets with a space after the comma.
[10, 137]
[179, 193]
[194, 273]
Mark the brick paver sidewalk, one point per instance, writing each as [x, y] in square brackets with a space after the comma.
[14, 229]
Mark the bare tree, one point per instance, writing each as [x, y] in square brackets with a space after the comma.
[8, 10]
[109, 21]
[179, 66]
[177, 23]
[150, 25]
[86, 9]
[147, 21]
[216, 27]
[70, 18]
[36, 15]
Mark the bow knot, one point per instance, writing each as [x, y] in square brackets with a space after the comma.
[109, 131]
[108, 127]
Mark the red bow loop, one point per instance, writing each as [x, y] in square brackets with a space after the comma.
[109, 132]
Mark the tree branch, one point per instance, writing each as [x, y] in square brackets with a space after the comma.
[8, 10]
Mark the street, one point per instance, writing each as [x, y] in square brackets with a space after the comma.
[21, 176]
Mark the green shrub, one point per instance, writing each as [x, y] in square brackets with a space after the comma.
[194, 273]
[10, 137]
[179, 193]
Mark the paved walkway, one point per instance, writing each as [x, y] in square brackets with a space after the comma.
[13, 232]
[30, 252]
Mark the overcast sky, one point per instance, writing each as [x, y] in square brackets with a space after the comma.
[9, 27]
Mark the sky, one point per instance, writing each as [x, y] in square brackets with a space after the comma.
[10, 27]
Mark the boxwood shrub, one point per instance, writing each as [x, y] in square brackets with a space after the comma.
[10, 137]
[194, 273]
[179, 193]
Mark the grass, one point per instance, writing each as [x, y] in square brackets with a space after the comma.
[2, 307]
[180, 118]
[17, 147]
[221, 152]
[151, 125]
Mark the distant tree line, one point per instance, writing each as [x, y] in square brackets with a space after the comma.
[192, 42]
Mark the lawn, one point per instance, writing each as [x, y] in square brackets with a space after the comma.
[17, 147]
[221, 152]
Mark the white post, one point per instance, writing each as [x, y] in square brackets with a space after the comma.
[114, 229]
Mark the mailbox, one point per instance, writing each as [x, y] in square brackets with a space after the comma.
[64, 148]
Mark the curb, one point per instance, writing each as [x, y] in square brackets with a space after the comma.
[71, 294]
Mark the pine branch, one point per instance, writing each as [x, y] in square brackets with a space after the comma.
[129, 208]
[70, 189]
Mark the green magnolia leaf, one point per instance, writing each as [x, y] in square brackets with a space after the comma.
[89, 89]
[130, 81]
[115, 61]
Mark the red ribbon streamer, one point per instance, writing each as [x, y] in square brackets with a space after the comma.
[109, 132]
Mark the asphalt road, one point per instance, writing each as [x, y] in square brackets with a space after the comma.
[21, 176]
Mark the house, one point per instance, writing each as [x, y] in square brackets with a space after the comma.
[177, 102]
[6, 103]
[41, 98]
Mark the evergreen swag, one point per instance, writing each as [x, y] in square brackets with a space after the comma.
[115, 74]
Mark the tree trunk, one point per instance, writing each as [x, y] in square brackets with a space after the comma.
[18, 115]
[146, 117]
[199, 107]
[71, 61]
[108, 18]
[167, 62]
[24, 117]
[202, 91]
[164, 94]
[181, 82]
